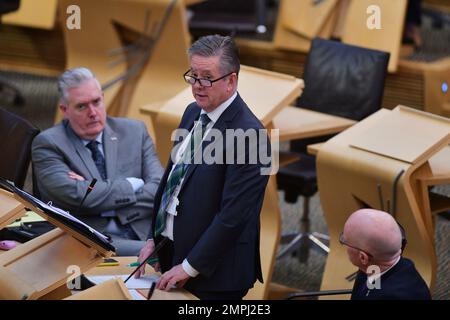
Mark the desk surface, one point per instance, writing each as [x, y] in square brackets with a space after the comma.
[175, 294]
[300, 123]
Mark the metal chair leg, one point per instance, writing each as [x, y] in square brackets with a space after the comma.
[298, 244]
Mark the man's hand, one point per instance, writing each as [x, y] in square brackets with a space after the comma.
[175, 277]
[145, 252]
[74, 176]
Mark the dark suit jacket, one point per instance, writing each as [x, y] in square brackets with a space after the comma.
[217, 223]
[402, 282]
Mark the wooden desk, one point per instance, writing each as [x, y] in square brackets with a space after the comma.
[388, 38]
[384, 162]
[175, 294]
[35, 14]
[298, 123]
[314, 149]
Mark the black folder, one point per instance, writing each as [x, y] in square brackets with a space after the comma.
[61, 216]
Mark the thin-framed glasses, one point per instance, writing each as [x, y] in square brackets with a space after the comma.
[203, 82]
[342, 241]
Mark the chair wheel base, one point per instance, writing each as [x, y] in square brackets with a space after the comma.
[300, 243]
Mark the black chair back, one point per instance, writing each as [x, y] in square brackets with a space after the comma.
[16, 136]
[7, 6]
[342, 80]
[229, 17]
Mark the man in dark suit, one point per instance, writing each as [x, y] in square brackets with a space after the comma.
[210, 209]
[374, 244]
[117, 152]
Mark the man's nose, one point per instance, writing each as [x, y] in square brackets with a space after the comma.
[91, 110]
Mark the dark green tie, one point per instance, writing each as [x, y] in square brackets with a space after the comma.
[179, 171]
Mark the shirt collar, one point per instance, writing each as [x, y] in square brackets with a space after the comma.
[372, 278]
[217, 112]
[98, 139]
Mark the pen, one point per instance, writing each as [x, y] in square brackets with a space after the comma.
[149, 257]
[150, 291]
[151, 261]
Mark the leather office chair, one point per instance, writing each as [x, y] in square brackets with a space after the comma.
[229, 16]
[16, 136]
[340, 80]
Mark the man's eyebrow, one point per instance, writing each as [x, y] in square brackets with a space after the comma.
[203, 71]
[86, 102]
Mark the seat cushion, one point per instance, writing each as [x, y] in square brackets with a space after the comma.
[298, 178]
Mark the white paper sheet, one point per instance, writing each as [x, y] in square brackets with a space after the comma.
[143, 282]
[136, 295]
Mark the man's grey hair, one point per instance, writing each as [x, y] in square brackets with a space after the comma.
[72, 78]
[216, 45]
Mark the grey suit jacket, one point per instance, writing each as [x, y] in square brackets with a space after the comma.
[129, 152]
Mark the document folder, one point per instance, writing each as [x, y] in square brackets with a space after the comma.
[60, 215]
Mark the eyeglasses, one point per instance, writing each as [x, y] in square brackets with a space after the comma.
[203, 82]
[341, 241]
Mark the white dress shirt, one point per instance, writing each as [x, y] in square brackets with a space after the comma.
[172, 206]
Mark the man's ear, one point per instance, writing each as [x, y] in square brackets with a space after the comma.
[364, 258]
[63, 109]
[232, 81]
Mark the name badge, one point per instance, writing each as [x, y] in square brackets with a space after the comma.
[172, 207]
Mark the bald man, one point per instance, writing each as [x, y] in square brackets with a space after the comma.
[374, 244]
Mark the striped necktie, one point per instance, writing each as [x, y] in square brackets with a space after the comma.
[179, 171]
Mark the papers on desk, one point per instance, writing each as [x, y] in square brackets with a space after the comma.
[136, 295]
[143, 282]
[68, 216]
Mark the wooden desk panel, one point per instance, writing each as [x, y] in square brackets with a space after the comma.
[299, 123]
[175, 294]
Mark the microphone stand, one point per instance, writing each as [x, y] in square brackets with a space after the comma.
[89, 189]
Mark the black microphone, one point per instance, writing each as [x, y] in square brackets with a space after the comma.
[89, 189]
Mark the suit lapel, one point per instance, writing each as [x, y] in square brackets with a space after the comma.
[82, 151]
[110, 141]
[221, 124]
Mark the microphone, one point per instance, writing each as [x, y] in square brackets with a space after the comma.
[89, 189]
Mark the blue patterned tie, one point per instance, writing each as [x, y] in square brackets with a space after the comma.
[179, 171]
[98, 158]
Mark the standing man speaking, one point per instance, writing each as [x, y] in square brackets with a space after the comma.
[208, 212]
